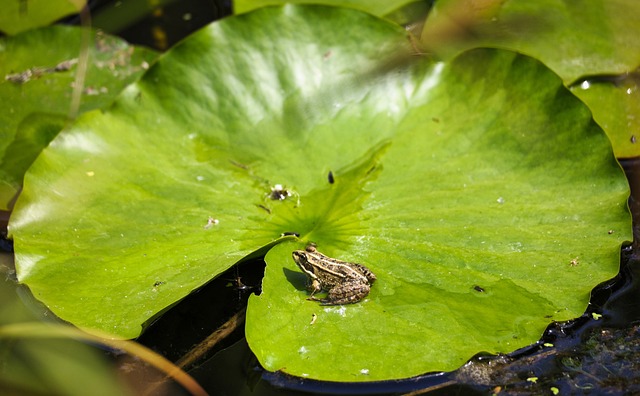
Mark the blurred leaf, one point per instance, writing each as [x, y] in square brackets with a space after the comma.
[39, 70]
[47, 359]
[51, 366]
[448, 179]
[572, 38]
[55, 367]
[20, 15]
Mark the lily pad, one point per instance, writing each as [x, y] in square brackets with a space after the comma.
[479, 191]
[472, 225]
[39, 70]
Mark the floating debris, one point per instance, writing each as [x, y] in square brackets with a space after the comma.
[36, 72]
[279, 193]
[211, 222]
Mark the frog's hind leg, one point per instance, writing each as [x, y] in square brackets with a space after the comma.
[347, 293]
[314, 287]
[371, 277]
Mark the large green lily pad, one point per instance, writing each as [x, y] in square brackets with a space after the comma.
[479, 191]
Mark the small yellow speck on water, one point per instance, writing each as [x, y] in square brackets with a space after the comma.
[532, 379]
[596, 316]
[554, 390]
[90, 173]
[497, 390]
[548, 344]
[313, 318]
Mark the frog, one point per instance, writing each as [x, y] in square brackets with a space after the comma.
[345, 282]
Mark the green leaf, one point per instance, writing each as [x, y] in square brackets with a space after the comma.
[375, 7]
[615, 104]
[40, 69]
[20, 15]
[448, 179]
[574, 39]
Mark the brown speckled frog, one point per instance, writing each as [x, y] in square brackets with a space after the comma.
[345, 282]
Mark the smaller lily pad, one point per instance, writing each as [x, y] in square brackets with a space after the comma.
[40, 70]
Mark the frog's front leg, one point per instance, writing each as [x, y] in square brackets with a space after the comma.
[346, 293]
[313, 287]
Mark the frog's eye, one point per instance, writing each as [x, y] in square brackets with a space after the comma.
[299, 256]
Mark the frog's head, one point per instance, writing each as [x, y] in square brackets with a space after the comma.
[301, 258]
